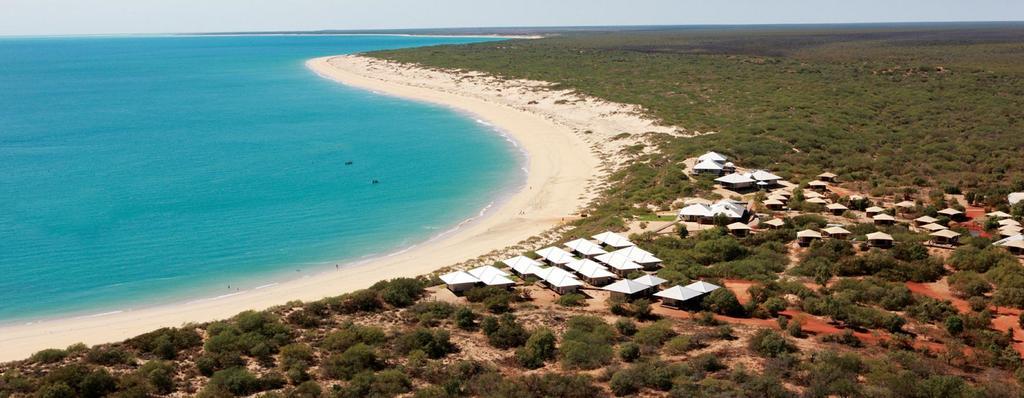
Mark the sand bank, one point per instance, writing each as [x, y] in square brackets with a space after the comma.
[569, 144]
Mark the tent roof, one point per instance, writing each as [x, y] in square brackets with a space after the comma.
[879, 236]
[735, 178]
[945, 234]
[761, 175]
[771, 201]
[458, 278]
[811, 194]
[926, 219]
[558, 277]
[817, 183]
[703, 287]
[585, 247]
[626, 286]
[523, 265]
[713, 156]
[836, 206]
[1009, 221]
[612, 239]
[827, 175]
[998, 214]
[590, 269]
[638, 255]
[775, 222]
[817, 200]
[555, 255]
[883, 217]
[836, 231]
[618, 261]
[933, 227]
[949, 211]
[678, 293]
[650, 280]
[485, 271]
[906, 204]
[707, 164]
[737, 226]
[808, 233]
[874, 209]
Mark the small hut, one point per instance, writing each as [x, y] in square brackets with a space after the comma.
[559, 280]
[738, 229]
[591, 271]
[925, 220]
[585, 248]
[874, 211]
[827, 177]
[678, 296]
[774, 204]
[523, 266]
[459, 281]
[945, 237]
[998, 214]
[1015, 247]
[653, 281]
[1009, 222]
[905, 205]
[613, 240]
[884, 219]
[836, 232]
[837, 209]
[880, 240]
[805, 237]
[774, 223]
[952, 213]
[627, 288]
[819, 186]
[619, 263]
[933, 227]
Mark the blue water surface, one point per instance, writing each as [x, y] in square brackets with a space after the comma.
[135, 170]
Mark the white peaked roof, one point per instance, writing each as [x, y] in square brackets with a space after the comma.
[523, 265]
[836, 206]
[1013, 238]
[775, 222]
[828, 174]
[1015, 197]
[761, 175]
[816, 200]
[695, 210]
[638, 255]
[879, 236]
[729, 208]
[1010, 230]
[883, 217]
[1014, 243]
[1009, 222]
[612, 239]
[949, 211]
[926, 219]
[618, 261]
[555, 255]
[650, 280]
[703, 287]
[780, 198]
[585, 247]
[945, 234]
[817, 183]
[906, 204]
[874, 209]
[933, 227]
[491, 276]
[836, 231]
[998, 214]
[856, 197]
[626, 286]
[558, 277]
[811, 195]
[590, 269]
[808, 233]
[737, 226]
[458, 278]
[678, 293]
[712, 156]
[707, 164]
[735, 178]
[773, 202]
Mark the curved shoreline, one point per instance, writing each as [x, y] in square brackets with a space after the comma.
[560, 166]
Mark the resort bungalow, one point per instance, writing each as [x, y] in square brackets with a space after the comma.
[491, 276]
[627, 288]
[765, 179]
[591, 271]
[708, 167]
[1015, 247]
[817, 201]
[738, 229]
[998, 214]
[933, 227]
[1010, 230]
[559, 280]
[819, 186]
[774, 204]
[827, 177]
[736, 181]
[714, 157]
[925, 220]
[1009, 222]
[523, 266]
[459, 281]
[678, 296]
[555, 256]
[884, 219]
[952, 213]
[812, 195]
[774, 223]
[837, 208]
[874, 211]
[620, 264]
[613, 240]
[805, 237]
[702, 287]
[905, 205]
[728, 168]
[945, 237]
[653, 281]
[640, 256]
[1015, 197]
[703, 213]
[836, 232]
[585, 248]
[880, 239]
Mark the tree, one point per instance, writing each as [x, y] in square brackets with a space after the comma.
[723, 301]
[954, 325]
[682, 231]
[539, 348]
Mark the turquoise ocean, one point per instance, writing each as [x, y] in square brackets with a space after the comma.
[141, 170]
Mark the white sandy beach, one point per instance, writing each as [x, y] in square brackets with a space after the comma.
[569, 149]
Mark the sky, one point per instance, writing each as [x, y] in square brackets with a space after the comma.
[55, 17]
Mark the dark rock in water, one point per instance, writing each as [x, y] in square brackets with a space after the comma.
[376, 181]
[348, 163]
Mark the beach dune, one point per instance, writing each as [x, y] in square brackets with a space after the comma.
[561, 167]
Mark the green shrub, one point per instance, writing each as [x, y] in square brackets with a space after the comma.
[351, 334]
[239, 382]
[653, 336]
[435, 343]
[722, 301]
[539, 348]
[504, 332]
[50, 355]
[465, 318]
[400, 292]
[625, 326]
[629, 352]
[768, 343]
[572, 300]
[295, 361]
[354, 360]
[682, 344]
[109, 356]
[586, 343]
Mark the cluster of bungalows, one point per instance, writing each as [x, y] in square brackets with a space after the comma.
[759, 179]
[1007, 226]
[875, 239]
[713, 163]
[600, 262]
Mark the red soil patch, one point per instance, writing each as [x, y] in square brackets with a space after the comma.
[739, 288]
[939, 291]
